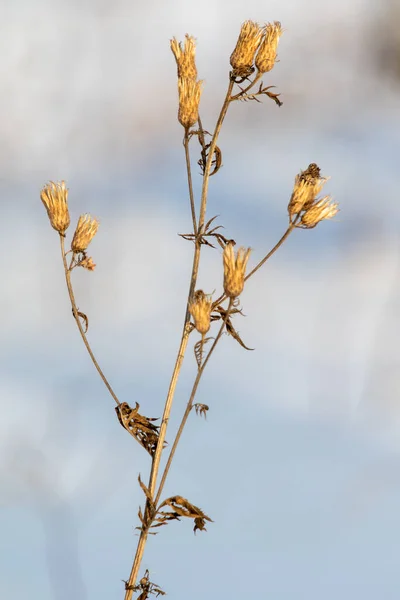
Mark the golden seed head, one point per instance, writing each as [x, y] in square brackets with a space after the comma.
[307, 186]
[185, 57]
[200, 309]
[189, 100]
[266, 55]
[242, 58]
[234, 269]
[84, 233]
[323, 209]
[55, 198]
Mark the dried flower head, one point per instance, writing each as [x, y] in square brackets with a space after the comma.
[242, 58]
[234, 269]
[84, 233]
[324, 208]
[266, 55]
[307, 185]
[200, 309]
[185, 57]
[55, 196]
[189, 100]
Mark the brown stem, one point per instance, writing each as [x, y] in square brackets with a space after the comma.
[271, 252]
[78, 321]
[190, 404]
[182, 347]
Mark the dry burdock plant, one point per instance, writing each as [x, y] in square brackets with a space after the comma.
[254, 55]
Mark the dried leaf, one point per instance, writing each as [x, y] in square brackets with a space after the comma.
[146, 492]
[139, 426]
[198, 350]
[183, 508]
[201, 409]
[84, 318]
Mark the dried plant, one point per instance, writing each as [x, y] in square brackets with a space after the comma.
[254, 55]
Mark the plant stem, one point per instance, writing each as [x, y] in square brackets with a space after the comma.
[190, 404]
[190, 182]
[78, 321]
[271, 252]
[182, 347]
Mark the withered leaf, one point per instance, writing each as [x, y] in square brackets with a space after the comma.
[84, 318]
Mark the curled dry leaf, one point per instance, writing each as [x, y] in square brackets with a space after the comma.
[221, 314]
[84, 318]
[198, 349]
[183, 508]
[201, 409]
[216, 161]
[139, 426]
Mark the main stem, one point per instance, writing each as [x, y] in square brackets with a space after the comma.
[182, 347]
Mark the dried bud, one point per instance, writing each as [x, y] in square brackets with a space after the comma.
[234, 270]
[84, 233]
[189, 100]
[322, 209]
[307, 185]
[185, 57]
[54, 196]
[87, 263]
[242, 58]
[266, 55]
[200, 309]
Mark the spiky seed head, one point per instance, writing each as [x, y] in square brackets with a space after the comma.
[185, 57]
[234, 269]
[200, 309]
[189, 100]
[323, 209]
[266, 55]
[55, 198]
[84, 233]
[242, 58]
[307, 185]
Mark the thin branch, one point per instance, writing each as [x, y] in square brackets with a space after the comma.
[274, 249]
[78, 322]
[190, 182]
[251, 84]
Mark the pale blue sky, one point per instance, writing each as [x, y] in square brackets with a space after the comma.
[298, 460]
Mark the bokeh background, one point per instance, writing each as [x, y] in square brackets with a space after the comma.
[298, 461]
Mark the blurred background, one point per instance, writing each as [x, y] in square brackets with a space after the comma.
[298, 461]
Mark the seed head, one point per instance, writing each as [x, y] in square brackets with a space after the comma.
[185, 57]
[242, 58]
[200, 309]
[84, 233]
[307, 185]
[266, 55]
[234, 269]
[54, 196]
[322, 209]
[87, 263]
[189, 100]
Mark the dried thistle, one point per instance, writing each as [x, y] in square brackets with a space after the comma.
[234, 269]
[323, 209]
[266, 55]
[200, 309]
[242, 58]
[55, 198]
[307, 185]
[185, 57]
[189, 100]
[84, 233]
